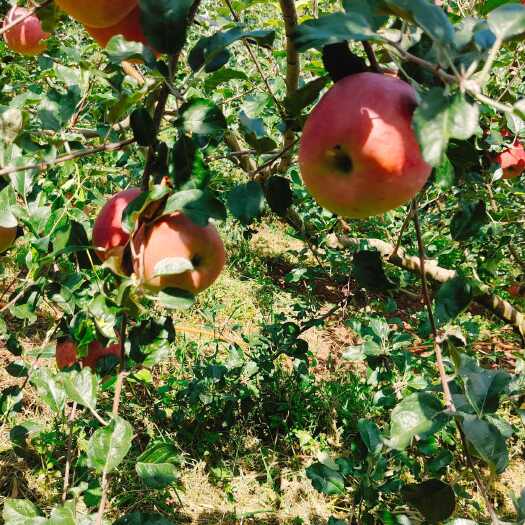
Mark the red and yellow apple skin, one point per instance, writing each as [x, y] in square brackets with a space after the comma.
[108, 233]
[27, 37]
[129, 27]
[7, 238]
[359, 155]
[512, 161]
[66, 354]
[174, 236]
[97, 13]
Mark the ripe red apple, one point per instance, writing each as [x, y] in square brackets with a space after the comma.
[108, 232]
[7, 238]
[517, 290]
[66, 354]
[512, 161]
[359, 155]
[176, 236]
[27, 37]
[129, 27]
[97, 13]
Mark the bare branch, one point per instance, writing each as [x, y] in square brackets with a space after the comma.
[114, 146]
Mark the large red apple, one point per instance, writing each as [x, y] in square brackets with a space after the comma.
[7, 238]
[512, 161]
[359, 155]
[26, 37]
[66, 354]
[108, 233]
[129, 27]
[175, 236]
[97, 13]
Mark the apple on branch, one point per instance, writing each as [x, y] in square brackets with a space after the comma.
[26, 37]
[359, 155]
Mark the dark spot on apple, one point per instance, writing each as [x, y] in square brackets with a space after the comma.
[343, 161]
[196, 260]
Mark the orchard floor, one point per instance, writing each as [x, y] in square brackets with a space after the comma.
[242, 479]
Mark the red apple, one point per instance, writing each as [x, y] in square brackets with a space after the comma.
[7, 238]
[97, 13]
[108, 233]
[66, 354]
[129, 27]
[512, 161]
[359, 155]
[27, 37]
[176, 236]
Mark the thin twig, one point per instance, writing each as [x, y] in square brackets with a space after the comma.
[369, 50]
[428, 302]
[41, 166]
[267, 164]
[293, 71]
[69, 453]
[449, 403]
[256, 62]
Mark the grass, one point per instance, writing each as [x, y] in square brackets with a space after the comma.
[253, 470]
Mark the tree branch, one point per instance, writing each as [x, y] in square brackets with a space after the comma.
[115, 146]
[503, 309]
[293, 70]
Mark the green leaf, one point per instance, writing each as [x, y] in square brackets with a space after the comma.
[439, 118]
[202, 117]
[198, 205]
[49, 389]
[175, 299]
[333, 28]
[21, 512]
[81, 387]
[453, 298]
[211, 52]
[108, 446]
[370, 435]
[468, 220]
[372, 10]
[160, 452]
[64, 514]
[433, 498]
[165, 23]
[487, 441]
[11, 124]
[7, 201]
[304, 96]
[255, 133]
[483, 388]
[157, 475]
[325, 479]
[188, 164]
[367, 269]
[172, 266]
[420, 414]
[134, 209]
[223, 75]
[279, 194]
[119, 49]
[445, 174]
[57, 108]
[246, 202]
[429, 17]
[143, 127]
[507, 21]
